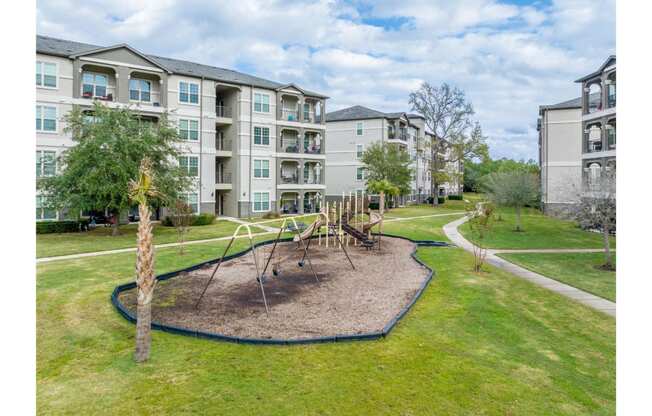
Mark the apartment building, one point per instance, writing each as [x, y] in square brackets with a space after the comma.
[598, 122]
[352, 130]
[560, 155]
[253, 145]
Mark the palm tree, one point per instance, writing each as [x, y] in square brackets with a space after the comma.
[141, 192]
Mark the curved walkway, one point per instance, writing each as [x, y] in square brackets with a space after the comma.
[571, 292]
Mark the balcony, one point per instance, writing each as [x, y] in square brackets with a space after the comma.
[223, 111]
[223, 179]
[223, 146]
[289, 142]
[312, 143]
[312, 173]
[289, 115]
[289, 173]
[98, 83]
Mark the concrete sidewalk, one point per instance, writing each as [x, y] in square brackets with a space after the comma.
[571, 292]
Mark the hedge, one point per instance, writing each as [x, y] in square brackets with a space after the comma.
[456, 197]
[67, 226]
[201, 219]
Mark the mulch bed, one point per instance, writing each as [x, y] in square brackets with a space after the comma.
[343, 302]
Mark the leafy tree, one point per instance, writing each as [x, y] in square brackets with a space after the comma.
[142, 192]
[480, 219]
[109, 147]
[597, 209]
[387, 162]
[448, 115]
[512, 189]
[382, 187]
[475, 170]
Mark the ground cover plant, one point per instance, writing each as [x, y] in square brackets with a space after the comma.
[487, 343]
[581, 270]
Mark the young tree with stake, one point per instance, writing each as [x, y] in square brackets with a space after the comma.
[514, 189]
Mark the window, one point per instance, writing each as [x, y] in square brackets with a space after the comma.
[46, 74]
[359, 150]
[261, 201]
[306, 112]
[188, 92]
[189, 129]
[43, 212]
[140, 90]
[45, 163]
[358, 129]
[190, 165]
[261, 168]
[611, 134]
[261, 103]
[94, 85]
[192, 201]
[46, 118]
[261, 136]
[359, 174]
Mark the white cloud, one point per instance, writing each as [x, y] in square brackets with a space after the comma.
[508, 58]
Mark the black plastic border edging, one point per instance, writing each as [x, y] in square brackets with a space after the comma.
[275, 341]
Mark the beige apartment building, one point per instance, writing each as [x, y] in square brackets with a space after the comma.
[577, 140]
[352, 130]
[252, 145]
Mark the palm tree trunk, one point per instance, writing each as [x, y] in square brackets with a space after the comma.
[145, 282]
[518, 218]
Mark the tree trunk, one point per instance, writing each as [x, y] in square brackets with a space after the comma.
[607, 251]
[518, 218]
[115, 231]
[145, 282]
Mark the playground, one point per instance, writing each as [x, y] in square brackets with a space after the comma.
[342, 301]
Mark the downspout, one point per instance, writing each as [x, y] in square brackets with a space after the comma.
[251, 147]
[201, 141]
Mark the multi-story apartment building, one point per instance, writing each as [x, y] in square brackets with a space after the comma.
[598, 121]
[560, 155]
[352, 130]
[253, 145]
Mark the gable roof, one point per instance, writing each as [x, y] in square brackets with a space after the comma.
[564, 105]
[70, 49]
[120, 46]
[608, 62]
[359, 112]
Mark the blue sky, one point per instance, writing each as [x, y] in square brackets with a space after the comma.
[509, 56]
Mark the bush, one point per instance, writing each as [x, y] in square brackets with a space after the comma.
[441, 199]
[271, 215]
[456, 197]
[197, 220]
[373, 205]
[67, 226]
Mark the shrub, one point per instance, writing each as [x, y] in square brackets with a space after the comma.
[456, 197]
[373, 205]
[441, 199]
[197, 220]
[271, 215]
[67, 226]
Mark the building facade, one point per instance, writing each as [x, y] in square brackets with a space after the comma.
[253, 145]
[560, 155]
[352, 130]
[598, 122]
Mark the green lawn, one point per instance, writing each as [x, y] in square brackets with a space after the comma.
[100, 239]
[420, 229]
[473, 344]
[540, 231]
[575, 269]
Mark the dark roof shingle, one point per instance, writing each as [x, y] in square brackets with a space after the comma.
[358, 112]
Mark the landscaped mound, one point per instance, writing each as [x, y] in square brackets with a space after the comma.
[344, 304]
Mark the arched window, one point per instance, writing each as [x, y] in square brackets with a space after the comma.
[611, 90]
[611, 134]
[595, 97]
[594, 175]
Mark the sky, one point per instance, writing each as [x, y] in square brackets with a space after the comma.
[508, 56]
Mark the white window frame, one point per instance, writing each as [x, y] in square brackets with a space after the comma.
[359, 128]
[42, 210]
[358, 155]
[262, 103]
[189, 83]
[42, 77]
[253, 202]
[140, 91]
[189, 120]
[39, 159]
[357, 169]
[262, 136]
[187, 168]
[56, 119]
[186, 199]
[107, 87]
[269, 170]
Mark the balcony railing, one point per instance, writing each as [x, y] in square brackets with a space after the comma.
[223, 111]
[314, 180]
[289, 177]
[289, 146]
[289, 115]
[222, 177]
[595, 146]
[312, 149]
[104, 94]
[223, 144]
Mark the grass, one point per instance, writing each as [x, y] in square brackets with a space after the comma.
[575, 269]
[100, 239]
[473, 344]
[540, 231]
[420, 229]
